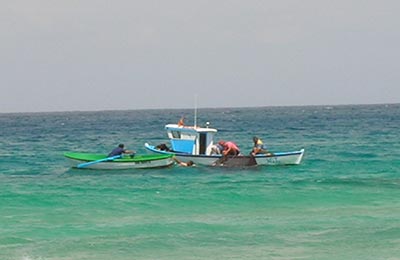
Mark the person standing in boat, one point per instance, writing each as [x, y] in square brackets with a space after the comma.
[119, 150]
[230, 148]
[258, 147]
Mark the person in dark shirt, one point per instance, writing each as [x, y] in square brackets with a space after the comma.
[120, 150]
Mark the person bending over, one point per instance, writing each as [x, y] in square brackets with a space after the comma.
[119, 150]
[230, 148]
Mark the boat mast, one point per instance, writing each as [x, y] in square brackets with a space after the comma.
[195, 110]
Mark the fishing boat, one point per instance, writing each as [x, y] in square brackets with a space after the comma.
[119, 162]
[196, 144]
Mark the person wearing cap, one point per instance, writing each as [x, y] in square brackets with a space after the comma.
[230, 148]
[120, 150]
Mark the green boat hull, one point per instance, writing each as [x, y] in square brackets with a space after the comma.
[126, 162]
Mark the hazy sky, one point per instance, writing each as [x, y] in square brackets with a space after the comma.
[102, 55]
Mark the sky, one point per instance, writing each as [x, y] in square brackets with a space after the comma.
[90, 55]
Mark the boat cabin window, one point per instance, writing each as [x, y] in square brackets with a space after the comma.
[176, 134]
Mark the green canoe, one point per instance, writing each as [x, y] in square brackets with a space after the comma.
[101, 161]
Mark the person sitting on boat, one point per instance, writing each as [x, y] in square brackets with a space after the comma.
[185, 164]
[181, 121]
[163, 147]
[230, 148]
[258, 147]
[121, 150]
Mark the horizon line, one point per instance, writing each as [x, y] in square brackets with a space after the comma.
[188, 108]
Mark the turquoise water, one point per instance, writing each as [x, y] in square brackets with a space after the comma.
[342, 202]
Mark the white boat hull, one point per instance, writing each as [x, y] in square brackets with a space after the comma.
[126, 165]
[281, 158]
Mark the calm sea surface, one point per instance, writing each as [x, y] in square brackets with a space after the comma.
[341, 202]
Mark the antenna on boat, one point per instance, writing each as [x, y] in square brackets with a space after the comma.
[195, 110]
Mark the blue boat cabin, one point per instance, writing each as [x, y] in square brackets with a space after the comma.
[191, 140]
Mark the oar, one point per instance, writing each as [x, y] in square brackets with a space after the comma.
[112, 158]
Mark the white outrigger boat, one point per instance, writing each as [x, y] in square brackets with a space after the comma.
[196, 144]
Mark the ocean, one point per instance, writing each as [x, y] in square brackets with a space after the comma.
[341, 202]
